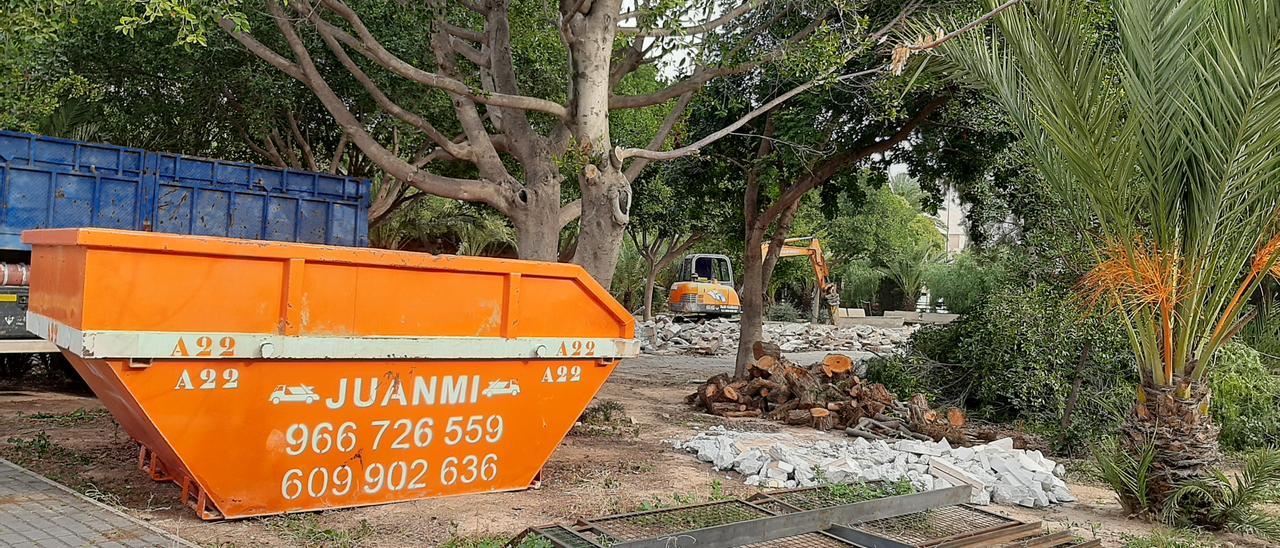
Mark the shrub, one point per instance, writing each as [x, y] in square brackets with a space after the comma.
[1014, 358]
[859, 283]
[904, 375]
[1263, 333]
[782, 311]
[1220, 503]
[1246, 398]
[963, 283]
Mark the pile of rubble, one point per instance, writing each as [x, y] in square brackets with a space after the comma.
[664, 335]
[996, 471]
[826, 395]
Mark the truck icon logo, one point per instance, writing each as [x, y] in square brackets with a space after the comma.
[502, 388]
[301, 393]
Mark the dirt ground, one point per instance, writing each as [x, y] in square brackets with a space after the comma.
[70, 438]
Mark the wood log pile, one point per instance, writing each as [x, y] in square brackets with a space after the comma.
[827, 395]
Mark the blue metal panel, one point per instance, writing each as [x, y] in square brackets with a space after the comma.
[47, 182]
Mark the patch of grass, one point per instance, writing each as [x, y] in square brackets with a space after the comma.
[857, 492]
[606, 417]
[306, 530]
[494, 541]
[42, 448]
[1170, 538]
[603, 412]
[69, 419]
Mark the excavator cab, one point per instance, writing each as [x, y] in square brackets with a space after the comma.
[705, 287]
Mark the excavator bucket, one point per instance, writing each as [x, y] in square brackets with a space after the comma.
[267, 377]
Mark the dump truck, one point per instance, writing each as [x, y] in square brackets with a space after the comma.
[48, 182]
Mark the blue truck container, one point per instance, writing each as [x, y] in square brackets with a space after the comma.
[47, 182]
[51, 183]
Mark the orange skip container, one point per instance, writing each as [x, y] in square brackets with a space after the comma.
[267, 377]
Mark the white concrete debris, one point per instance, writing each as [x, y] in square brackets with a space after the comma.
[720, 336]
[997, 472]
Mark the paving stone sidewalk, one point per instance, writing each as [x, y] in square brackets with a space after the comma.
[35, 511]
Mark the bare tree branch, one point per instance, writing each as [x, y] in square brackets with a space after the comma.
[490, 192]
[701, 77]
[701, 28]
[307, 154]
[384, 102]
[261, 50]
[338, 152]
[624, 153]
[637, 165]
[972, 25]
[569, 212]
[370, 47]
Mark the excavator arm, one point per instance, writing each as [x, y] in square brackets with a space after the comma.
[822, 272]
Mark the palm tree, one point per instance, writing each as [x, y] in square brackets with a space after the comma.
[907, 269]
[1162, 132]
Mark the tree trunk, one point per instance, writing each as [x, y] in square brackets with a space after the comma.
[909, 302]
[1182, 435]
[752, 297]
[606, 192]
[648, 291]
[537, 221]
[605, 213]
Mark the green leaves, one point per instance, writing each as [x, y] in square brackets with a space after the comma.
[1161, 136]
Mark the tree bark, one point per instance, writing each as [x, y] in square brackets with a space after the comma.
[1181, 434]
[751, 324]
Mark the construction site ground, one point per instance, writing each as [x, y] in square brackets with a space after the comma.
[625, 464]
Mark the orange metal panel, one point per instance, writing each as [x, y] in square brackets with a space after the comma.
[159, 326]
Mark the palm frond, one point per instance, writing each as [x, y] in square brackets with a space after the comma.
[1165, 140]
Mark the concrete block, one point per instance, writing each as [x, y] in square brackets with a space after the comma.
[1003, 444]
[918, 448]
[940, 467]
[750, 462]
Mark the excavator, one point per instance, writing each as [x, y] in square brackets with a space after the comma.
[704, 287]
[705, 284]
[830, 293]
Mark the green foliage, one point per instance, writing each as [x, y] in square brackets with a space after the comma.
[888, 233]
[1174, 538]
[907, 270]
[859, 282]
[905, 376]
[1159, 134]
[431, 223]
[1263, 332]
[1246, 398]
[1221, 503]
[1014, 358]
[629, 278]
[964, 282]
[306, 530]
[783, 311]
[1129, 475]
[883, 228]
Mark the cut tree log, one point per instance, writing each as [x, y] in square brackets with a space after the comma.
[803, 385]
[825, 395]
[766, 366]
[764, 348]
[799, 416]
[836, 364]
[822, 419]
